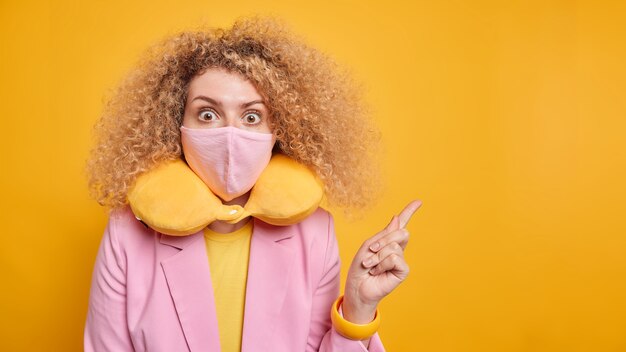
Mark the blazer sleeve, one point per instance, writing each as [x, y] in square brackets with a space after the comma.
[322, 335]
[106, 327]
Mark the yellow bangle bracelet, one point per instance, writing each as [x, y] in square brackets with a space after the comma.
[351, 330]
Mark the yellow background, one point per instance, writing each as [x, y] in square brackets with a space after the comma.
[506, 118]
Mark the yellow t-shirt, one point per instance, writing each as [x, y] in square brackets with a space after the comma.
[229, 254]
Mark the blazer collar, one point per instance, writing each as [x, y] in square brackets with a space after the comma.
[269, 272]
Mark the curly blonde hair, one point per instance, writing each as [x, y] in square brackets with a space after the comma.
[317, 109]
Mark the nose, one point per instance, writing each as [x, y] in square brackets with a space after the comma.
[229, 122]
[231, 119]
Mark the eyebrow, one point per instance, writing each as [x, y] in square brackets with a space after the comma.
[207, 99]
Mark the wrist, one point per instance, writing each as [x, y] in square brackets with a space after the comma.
[358, 312]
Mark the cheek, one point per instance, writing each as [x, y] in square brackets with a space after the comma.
[259, 128]
[187, 120]
[265, 128]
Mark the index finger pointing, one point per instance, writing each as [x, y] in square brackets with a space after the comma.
[408, 211]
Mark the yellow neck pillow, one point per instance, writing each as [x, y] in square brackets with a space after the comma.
[173, 200]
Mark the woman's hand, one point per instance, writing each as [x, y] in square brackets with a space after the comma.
[377, 268]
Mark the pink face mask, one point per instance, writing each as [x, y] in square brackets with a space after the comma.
[228, 159]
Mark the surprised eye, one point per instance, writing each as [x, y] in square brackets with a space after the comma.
[207, 115]
[252, 118]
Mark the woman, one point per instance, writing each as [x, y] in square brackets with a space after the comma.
[225, 101]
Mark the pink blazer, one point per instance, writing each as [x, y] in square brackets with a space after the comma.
[152, 292]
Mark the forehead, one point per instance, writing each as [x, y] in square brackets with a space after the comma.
[222, 85]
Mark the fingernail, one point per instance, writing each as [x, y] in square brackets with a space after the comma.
[374, 246]
[373, 271]
[368, 262]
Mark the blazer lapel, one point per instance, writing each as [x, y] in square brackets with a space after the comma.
[188, 278]
[269, 272]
